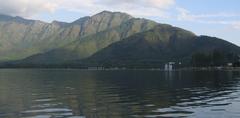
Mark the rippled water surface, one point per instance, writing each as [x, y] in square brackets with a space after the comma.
[118, 94]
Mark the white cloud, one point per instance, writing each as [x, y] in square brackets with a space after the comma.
[231, 19]
[26, 7]
[236, 25]
[136, 7]
[139, 8]
[161, 3]
[184, 14]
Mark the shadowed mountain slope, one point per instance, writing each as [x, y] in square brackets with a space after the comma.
[20, 38]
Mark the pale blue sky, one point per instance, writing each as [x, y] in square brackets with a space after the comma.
[219, 18]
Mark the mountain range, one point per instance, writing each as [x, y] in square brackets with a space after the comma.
[104, 39]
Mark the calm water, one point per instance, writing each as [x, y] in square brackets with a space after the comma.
[118, 94]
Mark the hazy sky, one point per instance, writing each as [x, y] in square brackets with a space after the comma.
[220, 18]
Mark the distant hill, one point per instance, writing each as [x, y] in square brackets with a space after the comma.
[89, 45]
[104, 39]
[160, 45]
[20, 38]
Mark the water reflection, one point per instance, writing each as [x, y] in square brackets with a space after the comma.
[117, 94]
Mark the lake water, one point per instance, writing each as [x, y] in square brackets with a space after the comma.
[39, 93]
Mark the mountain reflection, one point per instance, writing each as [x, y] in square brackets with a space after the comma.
[103, 94]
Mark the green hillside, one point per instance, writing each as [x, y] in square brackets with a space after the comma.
[21, 38]
[107, 39]
[158, 46]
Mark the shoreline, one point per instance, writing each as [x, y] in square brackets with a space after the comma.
[140, 69]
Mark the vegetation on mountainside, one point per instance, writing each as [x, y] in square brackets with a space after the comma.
[109, 39]
[21, 38]
[214, 59]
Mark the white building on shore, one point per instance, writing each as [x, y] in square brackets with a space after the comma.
[169, 66]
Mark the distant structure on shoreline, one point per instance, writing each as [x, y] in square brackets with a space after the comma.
[169, 66]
